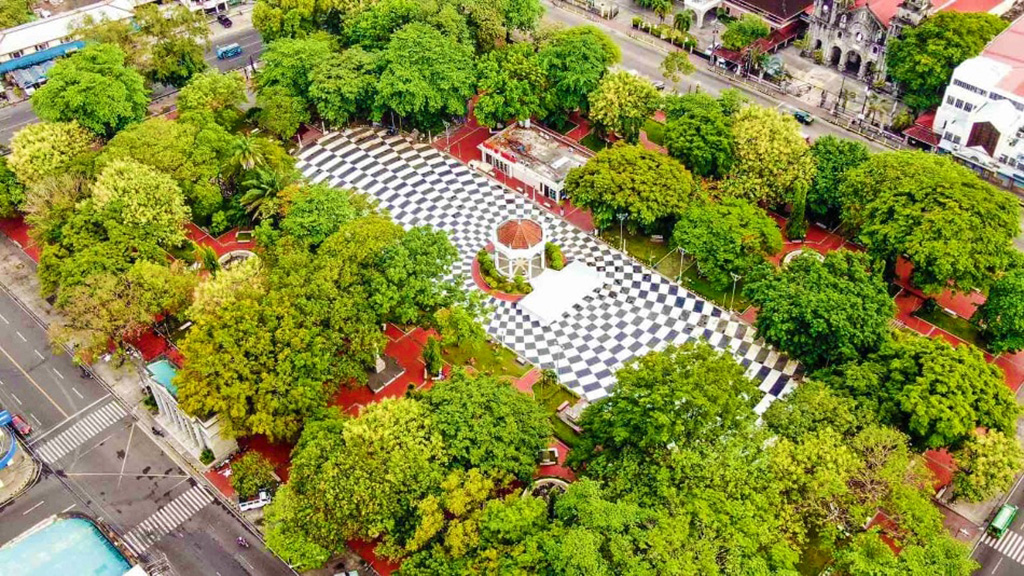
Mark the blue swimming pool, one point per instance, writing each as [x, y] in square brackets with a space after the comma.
[68, 546]
[163, 372]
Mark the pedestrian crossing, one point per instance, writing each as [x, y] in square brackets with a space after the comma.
[79, 433]
[167, 518]
[1010, 545]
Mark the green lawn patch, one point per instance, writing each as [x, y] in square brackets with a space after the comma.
[955, 325]
[655, 131]
[594, 142]
[551, 396]
[488, 358]
[661, 257]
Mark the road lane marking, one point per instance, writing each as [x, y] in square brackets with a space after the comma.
[34, 383]
[4, 319]
[16, 399]
[77, 393]
[20, 336]
[124, 461]
[79, 433]
[66, 509]
[41, 357]
[57, 372]
[25, 513]
[36, 440]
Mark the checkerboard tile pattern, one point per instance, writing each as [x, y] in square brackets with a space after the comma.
[635, 312]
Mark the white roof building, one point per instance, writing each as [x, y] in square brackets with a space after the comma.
[981, 119]
[57, 29]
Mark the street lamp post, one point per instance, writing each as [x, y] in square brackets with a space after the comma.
[735, 278]
[682, 253]
[622, 220]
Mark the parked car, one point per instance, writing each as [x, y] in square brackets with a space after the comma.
[1001, 523]
[20, 425]
[224, 20]
[659, 84]
[803, 117]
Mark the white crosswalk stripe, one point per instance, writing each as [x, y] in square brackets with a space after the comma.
[1010, 545]
[80, 432]
[173, 514]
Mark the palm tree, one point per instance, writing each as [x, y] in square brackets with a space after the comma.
[682, 21]
[661, 8]
[247, 153]
[263, 189]
[876, 105]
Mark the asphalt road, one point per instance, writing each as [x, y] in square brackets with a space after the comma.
[13, 118]
[99, 461]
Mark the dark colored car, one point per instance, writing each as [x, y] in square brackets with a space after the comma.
[224, 20]
[803, 117]
[20, 425]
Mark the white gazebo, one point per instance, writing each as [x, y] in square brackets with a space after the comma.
[519, 248]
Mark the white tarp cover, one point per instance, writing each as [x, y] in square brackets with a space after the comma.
[556, 291]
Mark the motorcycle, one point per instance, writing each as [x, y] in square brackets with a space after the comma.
[242, 542]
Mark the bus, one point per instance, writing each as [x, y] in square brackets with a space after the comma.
[1001, 523]
[229, 51]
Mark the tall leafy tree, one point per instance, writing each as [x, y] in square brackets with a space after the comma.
[648, 187]
[575, 60]
[833, 158]
[344, 86]
[288, 64]
[622, 103]
[250, 474]
[726, 238]
[743, 31]
[512, 85]
[316, 212]
[1001, 317]
[987, 465]
[372, 27]
[46, 149]
[823, 313]
[425, 77]
[277, 19]
[12, 192]
[934, 392]
[14, 12]
[699, 134]
[94, 88]
[216, 92]
[142, 204]
[281, 112]
[923, 58]
[899, 203]
[772, 160]
[488, 424]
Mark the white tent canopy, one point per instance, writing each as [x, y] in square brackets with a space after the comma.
[556, 291]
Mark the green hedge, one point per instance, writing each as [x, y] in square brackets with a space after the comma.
[553, 256]
[496, 280]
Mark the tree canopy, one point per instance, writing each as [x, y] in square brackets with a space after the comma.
[823, 313]
[1001, 317]
[622, 103]
[743, 31]
[650, 188]
[898, 203]
[221, 94]
[772, 161]
[47, 149]
[987, 464]
[94, 88]
[575, 60]
[726, 238]
[344, 86]
[14, 12]
[923, 57]
[833, 159]
[699, 134]
[12, 192]
[512, 86]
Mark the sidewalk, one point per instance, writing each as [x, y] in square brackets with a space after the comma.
[19, 475]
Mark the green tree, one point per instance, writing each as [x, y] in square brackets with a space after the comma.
[265, 191]
[248, 153]
[699, 134]
[726, 238]
[987, 464]
[833, 158]
[934, 392]
[46, 149]
[220, 93]
[575, 60]
[142, 204]
[343, 86]
[899, 203]
[676, 65]
[743, 31]
[487, 424]
[682, 396]
[812, 408]
[622, 103]
[316, 212]
[288, 64]
[923, 58]
[14, 12]
[1001, 317]
[521, 14]
[94, 88]
[277, 19]
[772, 159]
[337, 471]
[281, 113]
[512, 85]
[12, 192]
[649, 187]
[426, 76]
[250, 474]
[461, 324]
[823, 313]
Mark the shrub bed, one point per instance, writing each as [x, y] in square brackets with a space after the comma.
[553, 256]
[496, 281]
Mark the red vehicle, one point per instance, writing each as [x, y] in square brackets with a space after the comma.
[20, 425]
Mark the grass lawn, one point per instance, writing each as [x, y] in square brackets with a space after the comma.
[955, 325]
[655, 131]
[594, 142]
[551, 396]
[489, 358]
[659, 256]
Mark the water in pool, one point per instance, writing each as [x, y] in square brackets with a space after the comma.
[68, 546]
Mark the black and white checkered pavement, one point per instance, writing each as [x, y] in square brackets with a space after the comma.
[89, 426]
[635, 312]
[167, 518]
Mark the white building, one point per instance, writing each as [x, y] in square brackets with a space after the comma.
[194, 434]
[46, 33]
[537, 157]
[981, 119]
